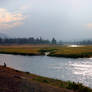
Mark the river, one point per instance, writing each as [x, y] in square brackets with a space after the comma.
[78, 70]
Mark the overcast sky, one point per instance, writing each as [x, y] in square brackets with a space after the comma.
[62, 19]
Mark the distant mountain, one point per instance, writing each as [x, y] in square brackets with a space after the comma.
[3, 36]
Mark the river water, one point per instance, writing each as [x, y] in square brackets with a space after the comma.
[78, 70]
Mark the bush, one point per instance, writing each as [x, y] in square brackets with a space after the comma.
[78, 87]
[46, 81]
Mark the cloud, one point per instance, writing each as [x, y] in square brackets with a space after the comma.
[9, 25]
[10, 19]
[89, 25]
[24, 7]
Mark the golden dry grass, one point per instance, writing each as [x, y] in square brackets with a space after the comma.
[55, 50]
[64, 51]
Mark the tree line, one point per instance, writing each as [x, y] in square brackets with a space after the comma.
[30, 40]
[40, 40]
[85, 42]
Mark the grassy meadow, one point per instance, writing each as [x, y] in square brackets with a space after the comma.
[21, 49]
[54, 50]
[72, 52]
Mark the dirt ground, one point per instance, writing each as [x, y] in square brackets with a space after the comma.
[15, 81]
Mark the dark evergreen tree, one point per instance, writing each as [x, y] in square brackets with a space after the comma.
[53, 41]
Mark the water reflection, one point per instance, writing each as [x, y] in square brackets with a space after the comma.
[84, 68]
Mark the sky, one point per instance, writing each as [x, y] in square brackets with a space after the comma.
[62, 19]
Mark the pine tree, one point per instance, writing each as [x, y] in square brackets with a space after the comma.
[54, 41]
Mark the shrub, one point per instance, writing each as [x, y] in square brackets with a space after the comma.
[77, 87]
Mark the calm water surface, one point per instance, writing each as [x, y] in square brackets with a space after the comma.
[78, 70]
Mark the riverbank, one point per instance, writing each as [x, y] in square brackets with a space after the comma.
[52, 50]
[12, 80]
